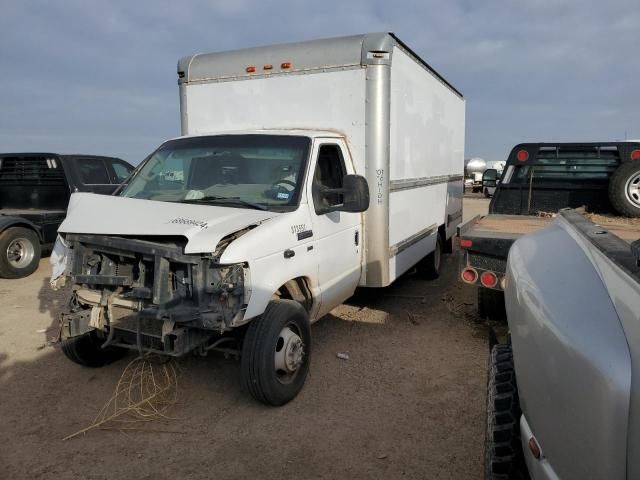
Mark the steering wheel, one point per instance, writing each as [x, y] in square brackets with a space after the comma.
[279, 183]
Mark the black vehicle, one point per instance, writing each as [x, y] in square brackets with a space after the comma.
[34, 193]
[538, 180]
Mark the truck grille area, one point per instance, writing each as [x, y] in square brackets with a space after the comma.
[163, 291]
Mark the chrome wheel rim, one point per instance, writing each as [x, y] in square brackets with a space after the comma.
[632, 190]
[289, 354]
[20, 253]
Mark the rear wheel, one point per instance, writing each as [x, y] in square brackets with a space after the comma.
[19, 252]
[491, 304]
[429, 266]
[86, 350]
[276, 353]
[504, 459]
[624, 189]
[447, 246]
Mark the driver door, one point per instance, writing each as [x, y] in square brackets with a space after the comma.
[338, 235]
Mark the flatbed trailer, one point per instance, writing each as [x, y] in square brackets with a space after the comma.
[538, 180]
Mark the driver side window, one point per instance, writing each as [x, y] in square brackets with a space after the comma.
[329, 173]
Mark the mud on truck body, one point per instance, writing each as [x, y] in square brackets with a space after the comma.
[293, 184]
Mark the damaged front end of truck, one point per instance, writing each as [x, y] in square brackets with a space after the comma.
[147, 295]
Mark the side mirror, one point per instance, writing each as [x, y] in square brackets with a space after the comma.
[356, 195]
[490, 177]
[354, 192]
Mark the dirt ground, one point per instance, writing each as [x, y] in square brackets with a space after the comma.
[408, 403]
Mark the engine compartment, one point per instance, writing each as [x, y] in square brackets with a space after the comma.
[146, 294]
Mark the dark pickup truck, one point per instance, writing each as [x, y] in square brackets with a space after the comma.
[34, 193]
[538, 180]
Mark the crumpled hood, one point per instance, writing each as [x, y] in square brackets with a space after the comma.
[203, 225]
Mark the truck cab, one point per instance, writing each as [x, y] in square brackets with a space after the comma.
[34, 193]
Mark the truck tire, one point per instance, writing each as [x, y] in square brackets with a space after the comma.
[86, 350]
[429, 267]
[491, 304]
[504, 459]
[276, 353]
[19, 252]
[624, 189]
[447, 246]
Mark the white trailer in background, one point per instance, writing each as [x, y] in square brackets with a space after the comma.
[352, 148]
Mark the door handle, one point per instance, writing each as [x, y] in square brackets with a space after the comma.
[289, 253]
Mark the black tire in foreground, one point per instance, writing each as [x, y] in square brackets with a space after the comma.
[504, 459]
[86, 350]
[276, 353]
[491, 304]
[624, 189]
[429, 266]
[19, 252]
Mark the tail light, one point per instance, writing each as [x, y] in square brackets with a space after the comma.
[466, 243]
[635, 155]
[285, 65]
[469, 275]
[250, 69]
[522, 155]
[535, 448]
[488, 279]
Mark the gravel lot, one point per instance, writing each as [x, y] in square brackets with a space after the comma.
[408, 403]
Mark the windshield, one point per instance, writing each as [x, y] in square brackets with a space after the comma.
[245, 171]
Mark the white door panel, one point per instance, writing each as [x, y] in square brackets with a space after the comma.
[335, 234]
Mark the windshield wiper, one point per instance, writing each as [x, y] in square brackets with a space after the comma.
[219, 199]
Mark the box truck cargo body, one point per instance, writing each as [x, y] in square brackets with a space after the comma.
[403, 123]
[304, 171]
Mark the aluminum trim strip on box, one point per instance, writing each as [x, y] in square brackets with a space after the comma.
[412, 240]
[408, 183]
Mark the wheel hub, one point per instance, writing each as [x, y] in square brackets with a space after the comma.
[289, 351]
[632, 190]
[20, 252]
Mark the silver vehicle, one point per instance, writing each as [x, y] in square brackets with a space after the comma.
[573, 304]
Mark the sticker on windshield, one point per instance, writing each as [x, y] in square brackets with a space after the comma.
[282, 196]
[188, 221]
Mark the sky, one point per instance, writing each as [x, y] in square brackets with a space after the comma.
[79, 76]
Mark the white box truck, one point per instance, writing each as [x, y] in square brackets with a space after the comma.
[304, 171]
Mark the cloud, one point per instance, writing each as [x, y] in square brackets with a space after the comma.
[99, 77]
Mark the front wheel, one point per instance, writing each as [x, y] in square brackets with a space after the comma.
[86, 350]
[19, 252]
[276, 353]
